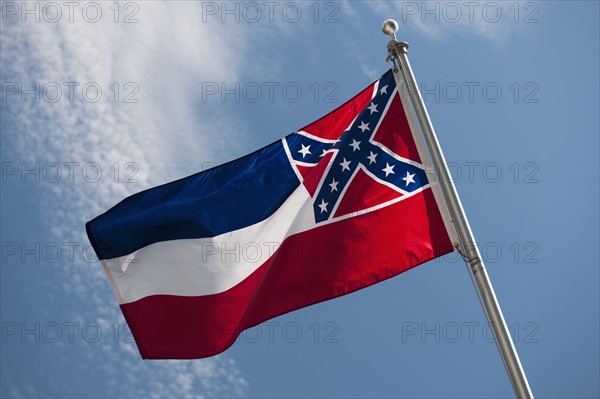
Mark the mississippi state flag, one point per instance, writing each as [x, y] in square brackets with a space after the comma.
[335, 207]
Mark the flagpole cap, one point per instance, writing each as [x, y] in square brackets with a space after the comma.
[390, 27]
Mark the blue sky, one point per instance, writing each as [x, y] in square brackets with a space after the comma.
[512, 89]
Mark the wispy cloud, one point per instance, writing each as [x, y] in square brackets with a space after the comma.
[159, 62]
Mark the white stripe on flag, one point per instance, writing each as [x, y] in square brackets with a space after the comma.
[207, 266]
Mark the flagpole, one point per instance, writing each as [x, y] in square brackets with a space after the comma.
[398, 51]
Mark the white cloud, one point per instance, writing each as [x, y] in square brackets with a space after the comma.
[167, 55]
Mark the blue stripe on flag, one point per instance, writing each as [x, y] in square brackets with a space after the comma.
[228, 197]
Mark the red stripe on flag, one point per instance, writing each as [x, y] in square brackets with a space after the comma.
[310, 267]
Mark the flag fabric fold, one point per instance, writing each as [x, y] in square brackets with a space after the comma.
[337, 206]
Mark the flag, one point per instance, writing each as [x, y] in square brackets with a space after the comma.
[337, 206]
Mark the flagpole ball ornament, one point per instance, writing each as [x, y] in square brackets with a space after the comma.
[390, 27]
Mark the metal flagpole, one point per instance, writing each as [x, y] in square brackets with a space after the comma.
[398, 51]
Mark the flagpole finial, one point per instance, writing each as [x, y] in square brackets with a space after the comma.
[390, 27]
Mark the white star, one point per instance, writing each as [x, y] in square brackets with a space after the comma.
[305, 150]
[383, 90]
[345, 165]
[409, 178]
[333, 185]
[372, 108]
[372, 158]
[388, 169]
[323, 205]
[323, 154]
[355, 145]
[363, 126]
